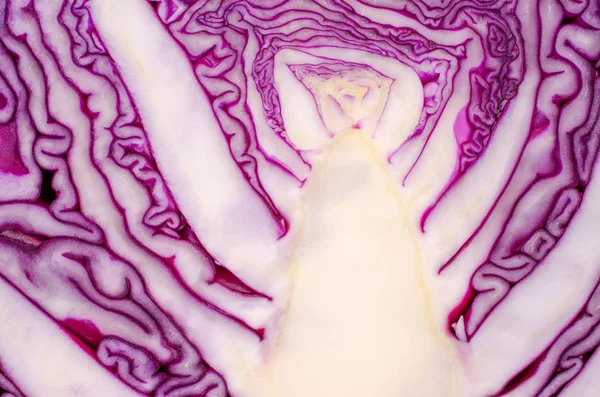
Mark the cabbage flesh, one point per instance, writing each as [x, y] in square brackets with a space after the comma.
[291, 198]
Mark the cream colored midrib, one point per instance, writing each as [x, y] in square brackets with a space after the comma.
[358, 138]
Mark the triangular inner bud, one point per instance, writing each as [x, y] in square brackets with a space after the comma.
[347, 95]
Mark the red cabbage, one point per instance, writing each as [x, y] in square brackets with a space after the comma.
[267, 198]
